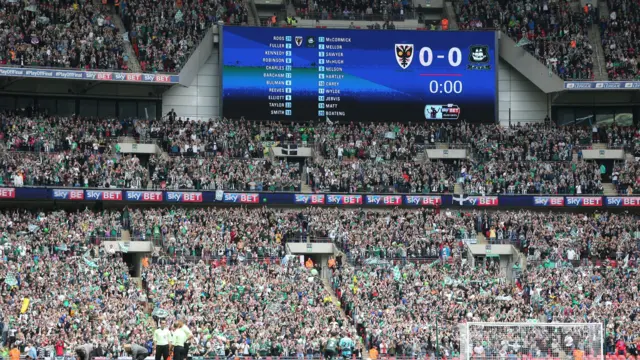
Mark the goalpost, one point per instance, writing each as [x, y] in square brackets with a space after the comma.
[577, 341]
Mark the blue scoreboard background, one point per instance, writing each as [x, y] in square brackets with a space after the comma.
[359, 75]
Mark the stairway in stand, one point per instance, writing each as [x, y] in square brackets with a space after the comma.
[134, 65]
[603, 9]
[481, 238]
[609, 189]
[329, 290]
[600, 65]
[125, 235]
[137, 281]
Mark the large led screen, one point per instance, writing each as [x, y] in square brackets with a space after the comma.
[359, 75]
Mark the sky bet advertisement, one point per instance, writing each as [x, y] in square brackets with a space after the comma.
[275, 198]
[352, 75]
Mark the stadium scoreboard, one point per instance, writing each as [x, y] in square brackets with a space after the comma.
[358, 75]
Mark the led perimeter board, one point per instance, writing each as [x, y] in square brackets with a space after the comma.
[359, 75]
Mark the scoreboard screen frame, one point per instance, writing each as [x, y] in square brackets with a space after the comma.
[302, 74]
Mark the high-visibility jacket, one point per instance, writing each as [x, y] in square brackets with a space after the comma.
[445, 24]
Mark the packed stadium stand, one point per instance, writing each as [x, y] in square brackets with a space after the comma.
[485, 206]
[235, 281]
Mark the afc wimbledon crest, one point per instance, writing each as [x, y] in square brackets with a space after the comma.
[298, 40]
[404, 55]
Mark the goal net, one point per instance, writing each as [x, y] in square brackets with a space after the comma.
[531, 341]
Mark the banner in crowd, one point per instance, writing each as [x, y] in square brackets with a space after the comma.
[25, 305]
[285, 198]
[602, 85]
[89, 75]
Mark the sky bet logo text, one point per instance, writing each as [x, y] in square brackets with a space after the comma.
[584, 201]
[241, 198]
[384, 200]
[344, 199]
[548, 201]
[155, 196]
[105, 195]
[421, 200]
[623, 201]
[64, 194]
[309, 199]
[184, 197]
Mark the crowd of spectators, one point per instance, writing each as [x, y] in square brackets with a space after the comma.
[75, 291]
[72, 169]
[626, 177]
[534, 142]
[230, 138]
[254, 309]
[535, 177]
[414, 310]
[68, 34]
[221, 173]
[617, 136]
[620, 40]
[508, 160]
[395, 235]
[581, 268]
[380, 10]
[379, 175]
[60, 34]
[223, 154]
[165, 33]
[551, 31]
[43, 133]
[396, 308]
[561, 238]
[224, 272]
[234, 233]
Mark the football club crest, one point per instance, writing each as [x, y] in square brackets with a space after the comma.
[404, 55]
[479, 54]
[298, 40]
[479, 58]
[311, 42]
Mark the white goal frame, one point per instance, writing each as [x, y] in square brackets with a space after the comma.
[594, 330]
